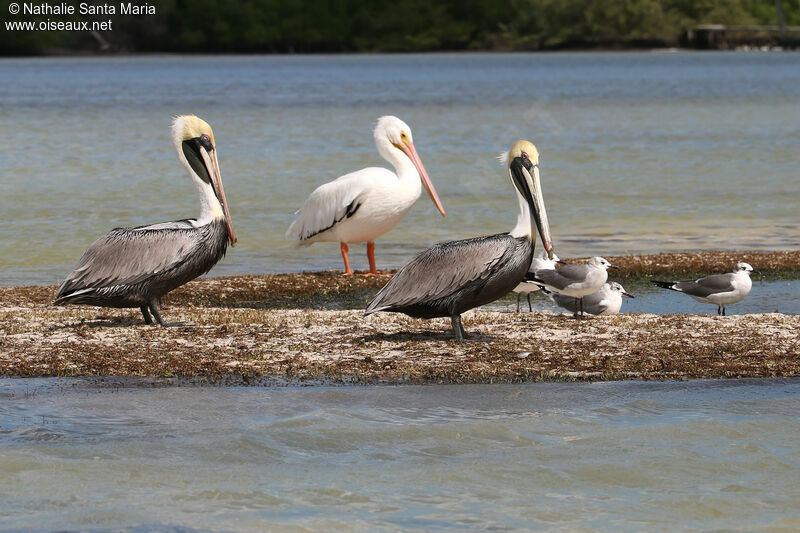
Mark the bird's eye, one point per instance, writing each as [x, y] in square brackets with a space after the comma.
[403, 135]
[205, 141]
[524, 156]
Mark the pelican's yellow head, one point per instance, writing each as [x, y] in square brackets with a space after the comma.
[196, 147]
[524, 150]
[523, 168]
[187, 127]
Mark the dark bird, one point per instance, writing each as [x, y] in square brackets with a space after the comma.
[456, 276]
[719, 289]
[135, 267]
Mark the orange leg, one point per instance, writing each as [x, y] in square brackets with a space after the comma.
[371, 257]
[345, 249]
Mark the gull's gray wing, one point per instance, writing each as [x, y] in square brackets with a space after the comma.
[127, 256]
[592, 304]
[564, 276]
[567, 302]
[444, 269]
[707, 286]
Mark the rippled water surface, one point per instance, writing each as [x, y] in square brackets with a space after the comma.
[641, 152]
[703, 455]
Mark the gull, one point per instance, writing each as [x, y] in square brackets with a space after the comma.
[606, 301]
[719, 289]
[576, 281]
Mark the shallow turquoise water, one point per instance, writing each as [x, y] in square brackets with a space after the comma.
[641, 152]
[701, 455]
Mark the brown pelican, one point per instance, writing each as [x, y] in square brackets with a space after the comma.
[453, 277]
[606, 301]
[719, 289]
[135, 267]
[363, 205]
[576, 281]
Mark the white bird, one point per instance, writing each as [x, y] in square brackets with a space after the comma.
[576, 281]
[606, 301]
[719, 289]
[363, 205]
[540, 262]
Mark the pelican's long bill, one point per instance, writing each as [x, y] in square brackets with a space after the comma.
[408, 149]
[531, 189]
[212, 165]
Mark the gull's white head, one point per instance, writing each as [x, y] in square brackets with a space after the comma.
[392, 137]
[542, 261]
[617, 287]
[743, 267]
[601, 262]
[544, 256]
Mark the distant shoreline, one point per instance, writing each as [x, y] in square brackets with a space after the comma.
[309, 329]
[488, 51]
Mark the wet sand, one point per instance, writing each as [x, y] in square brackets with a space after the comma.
[309, 328]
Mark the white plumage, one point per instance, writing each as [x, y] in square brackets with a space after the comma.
[363, 205]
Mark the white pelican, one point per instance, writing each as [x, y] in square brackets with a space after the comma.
[540, 262]
[363, 205]
[135, 267]
[719, 289]
[606, 301]
[576, 281]
[453, 277]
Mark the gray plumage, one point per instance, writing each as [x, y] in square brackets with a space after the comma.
[135, 267]
[564, 277]
[707, 286]
[452, 277]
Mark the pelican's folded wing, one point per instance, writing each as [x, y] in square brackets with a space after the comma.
[328, 205]
[127, 256]
[444, 269]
